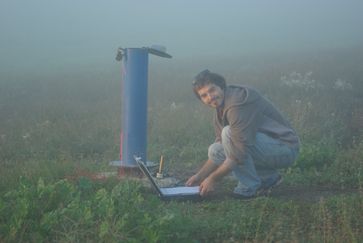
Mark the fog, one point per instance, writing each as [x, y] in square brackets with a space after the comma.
[45, 36]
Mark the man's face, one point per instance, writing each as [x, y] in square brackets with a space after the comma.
[211, 95]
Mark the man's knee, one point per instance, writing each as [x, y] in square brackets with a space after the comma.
[226, 134]
[216, 153]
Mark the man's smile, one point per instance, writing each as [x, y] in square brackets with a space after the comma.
[211, 95]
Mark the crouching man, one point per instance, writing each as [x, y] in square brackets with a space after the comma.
[253, 139]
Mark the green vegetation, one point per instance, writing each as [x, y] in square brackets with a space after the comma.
[122, 211]
[57, 130]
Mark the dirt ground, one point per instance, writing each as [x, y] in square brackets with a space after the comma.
[224, 189]
[300, 193]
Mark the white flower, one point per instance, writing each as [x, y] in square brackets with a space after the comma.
[342, 85]
[172, 106]
[26, 136]
[298, 80]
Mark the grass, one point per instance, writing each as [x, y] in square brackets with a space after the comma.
[56, 129]
[124, 211]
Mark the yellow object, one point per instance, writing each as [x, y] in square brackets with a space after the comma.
[161, 164]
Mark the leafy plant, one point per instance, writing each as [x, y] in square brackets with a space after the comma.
[317, 156]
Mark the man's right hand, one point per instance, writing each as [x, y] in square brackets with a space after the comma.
[194, 180]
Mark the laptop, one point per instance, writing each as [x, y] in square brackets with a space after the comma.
[167, 193]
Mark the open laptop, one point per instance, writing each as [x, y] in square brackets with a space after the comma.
[167, 193]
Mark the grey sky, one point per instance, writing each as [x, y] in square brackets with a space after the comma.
[67, 33]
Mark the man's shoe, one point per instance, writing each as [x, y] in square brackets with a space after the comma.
[243, 194]
[268, 185]
[264, 190]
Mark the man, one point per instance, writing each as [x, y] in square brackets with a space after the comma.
[253, 140]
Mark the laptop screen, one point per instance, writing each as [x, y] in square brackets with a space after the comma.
[147, 173]
[168, 191]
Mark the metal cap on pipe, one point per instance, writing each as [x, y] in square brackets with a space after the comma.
[157, 50]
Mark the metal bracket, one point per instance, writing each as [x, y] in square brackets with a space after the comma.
[120, 54]
[158, 51]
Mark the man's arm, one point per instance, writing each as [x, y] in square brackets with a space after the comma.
[207, 184]
[222, 170]
[204, 172]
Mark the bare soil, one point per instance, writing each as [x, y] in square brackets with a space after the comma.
[300, 193]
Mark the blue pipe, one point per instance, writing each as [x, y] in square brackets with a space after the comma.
[134, 106]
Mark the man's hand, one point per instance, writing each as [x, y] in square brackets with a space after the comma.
[207, 168]
[206, 186]
[194, 180]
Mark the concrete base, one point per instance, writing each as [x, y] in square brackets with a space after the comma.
[119, 163]
[130, 170]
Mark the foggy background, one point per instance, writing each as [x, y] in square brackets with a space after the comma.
[41, 36]
[61, 89]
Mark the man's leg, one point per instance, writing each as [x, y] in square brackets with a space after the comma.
[267, 155]
[246, 174]
[248, 179]
[216, 153]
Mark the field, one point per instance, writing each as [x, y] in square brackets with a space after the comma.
[58, 129]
